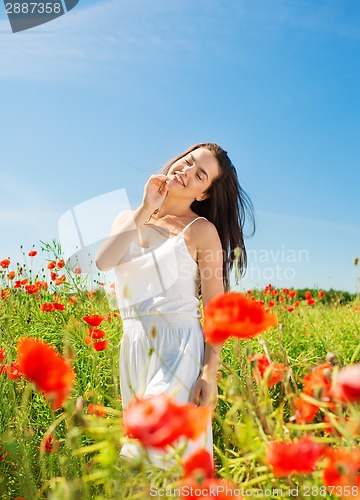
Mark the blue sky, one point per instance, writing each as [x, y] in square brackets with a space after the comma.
[100, 98]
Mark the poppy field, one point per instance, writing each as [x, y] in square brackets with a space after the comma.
[287, 423]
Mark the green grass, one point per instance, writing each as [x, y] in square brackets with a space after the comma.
[247, 418]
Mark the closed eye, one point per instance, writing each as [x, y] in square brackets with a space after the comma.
[189, 161]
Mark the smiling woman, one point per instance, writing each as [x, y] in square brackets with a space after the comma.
[181, 242]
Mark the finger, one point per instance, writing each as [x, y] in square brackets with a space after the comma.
[196, 396]
[163, 187]
[159, 177]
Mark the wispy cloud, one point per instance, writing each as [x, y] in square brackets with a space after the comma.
[91, 39]
[103, 36]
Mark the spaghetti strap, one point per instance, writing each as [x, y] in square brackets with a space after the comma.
[197, 218]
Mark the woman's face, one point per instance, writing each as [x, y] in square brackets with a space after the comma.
[193, 174]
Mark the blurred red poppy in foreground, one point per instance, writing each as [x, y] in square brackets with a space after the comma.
[97, 409]
[317, 384]
[264, 369]
[157, 421]
[341, 472]
[347, 384]
[288, 457]
[234, 314]
[40, 363]
[199, 465]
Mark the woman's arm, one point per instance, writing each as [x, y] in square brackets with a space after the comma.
[210, 261]
[123, 231]
[126, 226]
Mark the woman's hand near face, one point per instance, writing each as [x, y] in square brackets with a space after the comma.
[155, 192]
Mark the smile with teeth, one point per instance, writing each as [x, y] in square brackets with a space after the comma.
[179, 179]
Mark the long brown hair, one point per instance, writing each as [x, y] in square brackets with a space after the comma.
[227, 207]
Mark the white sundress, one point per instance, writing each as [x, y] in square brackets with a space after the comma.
[162, 347]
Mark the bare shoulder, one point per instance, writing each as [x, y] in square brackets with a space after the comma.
[205, 234]
[120, 219]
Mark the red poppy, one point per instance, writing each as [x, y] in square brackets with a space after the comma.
[73, 299]
[307, 295]
[17, 284]
[5, 293]
[61, 264]
[31, 289]
[157, 421]
[93, 320]
[290, 309]
[2, 354]
[51, 264]
[42, 364]
[11, 275]
[60, 280]
[48, 444]
[32, 253]
[264, 369]
[274, 292]
[199, 465]
[310, 302]
[305, 411]
[347, 384]
[341, 472]
[96, 333]
[5, 263]
[288, 457]
[234, 314]
[101, 345]
[42, 285]
[321, 294]
[97, 409]
[47, 307]
[292, 294]
[58, 306]
[317, 384]
[52, 306]
[13, 370]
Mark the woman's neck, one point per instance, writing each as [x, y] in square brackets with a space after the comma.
[174, 208]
